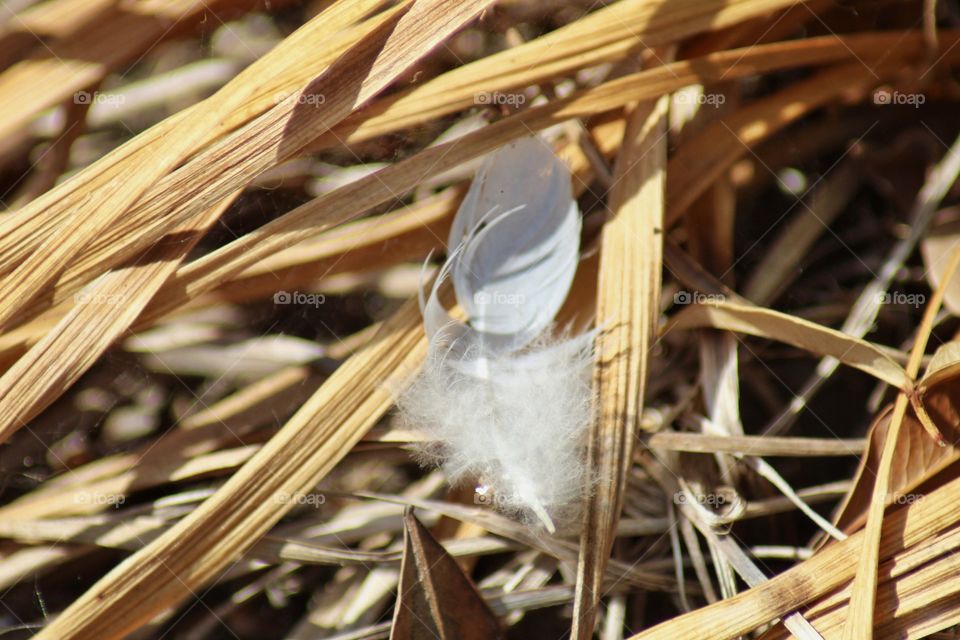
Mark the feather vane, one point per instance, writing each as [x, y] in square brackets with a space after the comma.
[499, 398]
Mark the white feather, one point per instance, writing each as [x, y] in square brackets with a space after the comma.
[500, 399]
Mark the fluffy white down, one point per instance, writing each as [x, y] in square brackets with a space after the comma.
[521, 429]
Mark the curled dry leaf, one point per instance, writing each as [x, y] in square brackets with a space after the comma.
[919, 457]
[436, 599]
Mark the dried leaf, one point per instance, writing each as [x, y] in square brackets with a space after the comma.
[919, 457]
[436, 599]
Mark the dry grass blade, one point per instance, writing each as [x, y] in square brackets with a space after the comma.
[352, 200]
[798, 625]
[773, 325]
[754, 445]
[633, 573]
[730, 64]
[624, 23]
[608, 33]
[103, 202]
[914, 597]
[628, 305]
[282, 72]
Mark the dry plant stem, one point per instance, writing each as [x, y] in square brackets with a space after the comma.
[798, 625]
[860, 623]
[375, 242]
[98, 212]
[736, 64]
[410, 232]
[607, 34]
[678, 568]
[593, 39]
[636, 574]
[755, 445]
[103, 206]
[700, 568]
[351, 200]
[628, 303]
[915, 598]
[809, 336]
